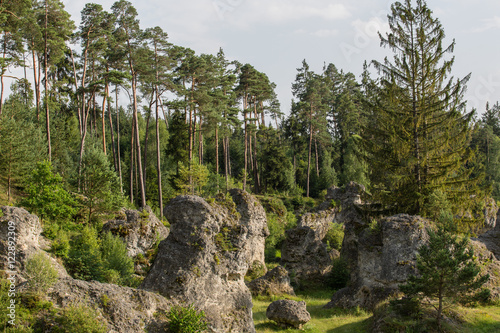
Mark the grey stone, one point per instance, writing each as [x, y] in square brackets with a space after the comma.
[288, 313]
[206, 256]
[379, 258]
[139, 229]
[274, 282]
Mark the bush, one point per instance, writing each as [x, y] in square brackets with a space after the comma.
[84, 260]
[60, 245]
[339, 276]
[115, 257]
[186, 320]
[78, 318]
[334, 236]
[40, 273]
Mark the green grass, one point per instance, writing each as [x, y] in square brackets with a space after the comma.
[322, 320]
[482, 319]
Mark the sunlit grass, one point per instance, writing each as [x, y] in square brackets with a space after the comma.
[322, 320]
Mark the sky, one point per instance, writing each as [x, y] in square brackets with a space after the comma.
[275, 36]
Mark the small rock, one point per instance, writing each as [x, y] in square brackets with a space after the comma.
[275, 282]
[288, 313]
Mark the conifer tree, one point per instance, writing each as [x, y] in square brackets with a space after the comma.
[420, 128]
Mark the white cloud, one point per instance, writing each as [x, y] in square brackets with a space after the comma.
[488, 24]
[324, 33]
[372, 27]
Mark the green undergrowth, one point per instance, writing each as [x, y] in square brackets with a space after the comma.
[322, 320]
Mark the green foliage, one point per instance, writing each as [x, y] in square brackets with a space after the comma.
[46, 196]
[84, 260]
[40, 273]
[79, 318]
[60, 245]
[115, 258]
[447, 269]
[339, 275]
[192, 179]
[334, 236]
[186, 320]
[100, 185]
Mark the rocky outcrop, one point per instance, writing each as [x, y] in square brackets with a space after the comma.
[206, 256]
[139, 229]
[304, 252]
[274, 282]
[489, 265]
[491, 239]
[380, 257]
[254, 223]
[18, 226]
[304, 255]
[288, 313]
[125, 310]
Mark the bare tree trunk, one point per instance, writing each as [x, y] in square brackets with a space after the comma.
[138, 144]
[37, 84]
[146, 145]
[118, 141]
[310, 150]
[103, 123]
[317, 158]
[132, 153]
[158, 156]
[47, 115]
[217, 155]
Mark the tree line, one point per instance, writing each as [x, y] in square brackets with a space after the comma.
[204, 123]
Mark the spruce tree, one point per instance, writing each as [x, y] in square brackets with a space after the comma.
[420, 129]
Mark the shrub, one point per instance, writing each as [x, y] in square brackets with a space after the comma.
[60, 245]
[115, 258]
[339, 276]
[78, 318]
[334, 236]
[40, 273]
[84, 260]
[186, 320]
[46, 196]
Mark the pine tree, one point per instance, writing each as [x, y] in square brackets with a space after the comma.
[420, 129]
[447, 270]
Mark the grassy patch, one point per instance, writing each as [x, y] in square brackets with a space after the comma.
[322, 320]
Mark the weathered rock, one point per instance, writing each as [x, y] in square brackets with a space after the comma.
[24, 229]
[254, 223]
[275, 282]
[489, 265]
[205, 258]
[304, 252]
[379, 258]
[490, 212]
[304, 255]
[125, 310]
[491, 239]
[139, 229]
[288, 313]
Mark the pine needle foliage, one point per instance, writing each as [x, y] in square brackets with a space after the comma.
[420, 129]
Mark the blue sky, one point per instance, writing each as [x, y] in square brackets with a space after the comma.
[276, 35]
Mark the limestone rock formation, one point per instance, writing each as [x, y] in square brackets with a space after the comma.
[380, 257]
[125, 310]
[274, 282]
[206, 256]
[24, 229]
[139, 229]
[254, 223]
[304, 253]
[491, 239]
[288, 313]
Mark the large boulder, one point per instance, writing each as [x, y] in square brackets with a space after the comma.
[304, 255]
[206, 256]
[274, 282]
[139, 229]
[254, 223]
[23, 229]
[288, 313]
[124, 310]
[304, 252]
[18, 226]
[380, 257]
